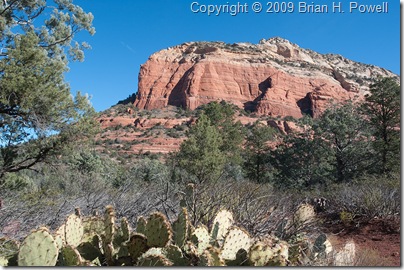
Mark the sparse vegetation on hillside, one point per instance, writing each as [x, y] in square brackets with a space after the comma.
[277, 173]
[283, 185]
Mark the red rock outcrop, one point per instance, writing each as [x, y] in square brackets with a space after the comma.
[274, 77]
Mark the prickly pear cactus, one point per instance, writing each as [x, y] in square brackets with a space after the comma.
[174, 254]
[8, 247]
[73, 230]
[158, 230]
[60, 236]
[137, 246]
[8, 251]
[93, 225]
[241, 259]
[260, 254]
[121, 237]
[201, 238]
[70, 256]
[305, 213]
[141, 225]
[190, 249]
[125, 229]
[109, 223]
[3, 261]
[89, 251]
[205, 259]
[38, 249]
[180, 228]
[235, 240]
[282, 253]
[154, 251]
[154, 260]
[221, 224]
[215, 257]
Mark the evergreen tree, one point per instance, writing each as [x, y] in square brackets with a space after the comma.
[346, 137]
[256, 163]
[38, 116]
[200, 154]
[336, 147]
[382, 108]
[301, 162]
[222, 115]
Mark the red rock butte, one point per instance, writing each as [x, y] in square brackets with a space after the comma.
[274, 77]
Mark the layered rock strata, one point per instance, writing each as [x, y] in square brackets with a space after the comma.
[274, 77]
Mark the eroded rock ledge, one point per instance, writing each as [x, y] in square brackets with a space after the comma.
[274, 77]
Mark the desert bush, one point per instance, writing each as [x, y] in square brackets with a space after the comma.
[368, 196]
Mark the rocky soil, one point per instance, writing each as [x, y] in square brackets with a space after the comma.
[377, 240]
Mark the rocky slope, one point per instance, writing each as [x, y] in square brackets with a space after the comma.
[160, 131]
[274, 77]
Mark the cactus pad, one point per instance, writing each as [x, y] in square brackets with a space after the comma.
[71, 257]
[154, 260]
[89, 251]
[223, 221]
[235, 240]
[60, 236]
[216, 257]
[73, 230]
[190, 249]
[154, 251]
[93, 225]
[211, 257]
[180, 228]
[38, 249]
[125, 229]
[205, 259]
[201, 238]
[109, 223]
[8, 247]
[260, 254]
[304, 214]
[141, 225]
[174, 254]
[158, 230]
[3, 261]
[137, 246]
[241, 259]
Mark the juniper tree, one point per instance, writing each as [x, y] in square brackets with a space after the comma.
[200, 154]
[222, 115]
[346, 138]
[257, 160]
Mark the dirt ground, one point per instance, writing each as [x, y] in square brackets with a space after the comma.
[377, 241]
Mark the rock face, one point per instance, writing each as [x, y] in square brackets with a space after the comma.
[274, 77]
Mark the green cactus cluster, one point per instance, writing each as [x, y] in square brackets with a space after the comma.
[100, 241]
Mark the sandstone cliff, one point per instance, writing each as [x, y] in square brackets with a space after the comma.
[274, 77]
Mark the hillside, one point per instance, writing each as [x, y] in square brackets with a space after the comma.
[268, 82]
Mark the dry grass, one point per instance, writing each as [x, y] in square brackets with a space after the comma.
[370, 257]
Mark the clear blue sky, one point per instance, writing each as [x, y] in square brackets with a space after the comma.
[129, 31]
